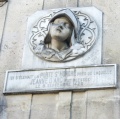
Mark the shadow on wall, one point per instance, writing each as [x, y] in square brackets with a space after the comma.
[3, 106]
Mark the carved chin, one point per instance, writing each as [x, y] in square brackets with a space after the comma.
[59, 36]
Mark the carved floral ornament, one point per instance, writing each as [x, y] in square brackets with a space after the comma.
[63, 35]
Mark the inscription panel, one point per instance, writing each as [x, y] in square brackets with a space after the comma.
[78, 78]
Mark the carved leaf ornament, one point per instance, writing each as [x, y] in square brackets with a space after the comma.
[85, 35]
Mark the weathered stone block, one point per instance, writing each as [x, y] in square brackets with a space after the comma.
[18, 106]
[71, 3]
[100, 104]
[44, 106]
[79, 108]
[84, 3]
[50, 4]
[64, 105]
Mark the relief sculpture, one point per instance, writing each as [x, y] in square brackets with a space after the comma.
[63, 35]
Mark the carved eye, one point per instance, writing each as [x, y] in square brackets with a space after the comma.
[66, 25]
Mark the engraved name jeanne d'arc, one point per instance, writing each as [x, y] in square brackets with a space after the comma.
[63, 35]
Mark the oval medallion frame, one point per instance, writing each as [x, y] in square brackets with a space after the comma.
[87, 36]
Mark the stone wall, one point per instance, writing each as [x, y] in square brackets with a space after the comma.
[91, 104]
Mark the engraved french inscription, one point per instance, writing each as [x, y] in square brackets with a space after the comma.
[77, 78]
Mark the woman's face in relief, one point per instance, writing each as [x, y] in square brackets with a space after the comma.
[61, 29]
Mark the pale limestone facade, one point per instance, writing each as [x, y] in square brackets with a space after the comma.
[91, 104]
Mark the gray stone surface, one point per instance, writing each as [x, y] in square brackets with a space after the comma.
[50, 4]
[84, 3]
[35, 62]
[2, 75]
[13, 38]
[88, 77]
[79, 109]
[52, 106]
[64, 105]
[12, 50]
[99, 104]
[71, 3]
[18, 106]
[3, 11]
[3, 107]
[44, 106]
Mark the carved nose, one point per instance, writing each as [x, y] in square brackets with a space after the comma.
[61, 26]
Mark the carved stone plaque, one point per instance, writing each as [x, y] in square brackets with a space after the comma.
[48, 80]
[64, 36]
